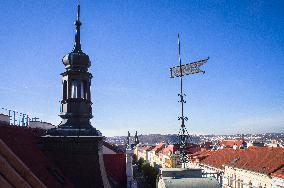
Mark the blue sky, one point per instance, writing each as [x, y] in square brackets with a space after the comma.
[132, 44]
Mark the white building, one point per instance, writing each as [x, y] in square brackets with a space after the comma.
[278, 178]
[4, 119]
[244, 168]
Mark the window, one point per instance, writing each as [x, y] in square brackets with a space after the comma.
[75, 89]
[242, 184]
[84, 89]
[238, 183]
[64, 90]
[79, 89]
[250, 184]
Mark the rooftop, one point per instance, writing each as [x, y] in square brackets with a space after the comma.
[263, 160]
[26, 144]
[191, 182]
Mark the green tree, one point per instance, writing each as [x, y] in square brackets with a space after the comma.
[135, 159]
[140, 163]
[150, 174]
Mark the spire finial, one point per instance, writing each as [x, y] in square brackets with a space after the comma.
[78, 11]
[77, 45]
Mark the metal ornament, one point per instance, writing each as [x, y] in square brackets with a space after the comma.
[180, 71]
[77, 45]
[128, 140]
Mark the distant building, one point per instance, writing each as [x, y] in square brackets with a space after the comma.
[169, 157]
[154, 154]
[163, 155]
[256, 143]
[274, 144]
[235, 144]
[252, 167]
[278, 178]
[206, 146]
[143, 152]
[4, 119]
[41, 125]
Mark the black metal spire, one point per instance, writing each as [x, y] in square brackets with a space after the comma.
[128, 140]
[77, 45]
[136, 140]
[180, 71]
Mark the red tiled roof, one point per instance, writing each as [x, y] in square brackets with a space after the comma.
[201, 154]
[149, 148]
[13, 172]
[146, 148]
[115, 165]
[279, 173]
[231, 143]
[143, 147]
[263, 160]
[169, 148]
[193, 148]
[158, 147]
[218, 158]
[24, 142]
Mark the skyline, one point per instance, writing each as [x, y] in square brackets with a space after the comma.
[132, 45]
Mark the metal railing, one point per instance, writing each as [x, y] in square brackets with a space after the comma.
[18, 118]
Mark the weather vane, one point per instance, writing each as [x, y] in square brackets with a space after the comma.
[180, 71]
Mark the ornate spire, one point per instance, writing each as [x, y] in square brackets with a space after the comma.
[128, 140]
[77, 45]
[136, 140]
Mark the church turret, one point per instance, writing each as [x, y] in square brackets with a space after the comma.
[76, 110]
[136, 140]
[76, 105]
[75, 144]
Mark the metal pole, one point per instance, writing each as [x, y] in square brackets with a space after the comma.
[10, 117]
[27, 120]
[181, 83]
[180, 71]
[14, 117]
[23, 119]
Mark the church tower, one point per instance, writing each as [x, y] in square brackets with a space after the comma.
[76, 110]
[75, 145]
[76, 104]
[136, 140]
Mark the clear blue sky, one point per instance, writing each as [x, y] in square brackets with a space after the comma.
[132, 44]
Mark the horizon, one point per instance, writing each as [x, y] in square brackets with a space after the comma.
[200, 134]
[132, 45]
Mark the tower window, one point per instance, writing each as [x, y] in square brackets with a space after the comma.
[84, 89]
[64, 90]
[75, 89]
[78, 89]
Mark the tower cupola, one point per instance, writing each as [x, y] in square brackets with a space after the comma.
[76, 105]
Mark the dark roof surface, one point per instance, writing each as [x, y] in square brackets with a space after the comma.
[26, 144]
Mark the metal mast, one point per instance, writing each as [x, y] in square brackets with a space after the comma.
[180, 71]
